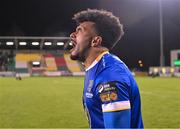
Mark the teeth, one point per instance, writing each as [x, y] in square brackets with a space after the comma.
[71, 43]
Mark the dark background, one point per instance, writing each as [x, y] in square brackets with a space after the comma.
[139, 17]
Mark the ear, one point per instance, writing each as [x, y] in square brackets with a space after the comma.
[96, 41]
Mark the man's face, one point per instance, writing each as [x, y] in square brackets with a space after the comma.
[81, 40]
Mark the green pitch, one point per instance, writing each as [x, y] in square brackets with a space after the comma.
[56, 102]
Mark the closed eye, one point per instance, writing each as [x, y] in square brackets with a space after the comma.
[79, 28]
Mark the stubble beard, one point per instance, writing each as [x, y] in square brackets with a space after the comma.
[81, 56]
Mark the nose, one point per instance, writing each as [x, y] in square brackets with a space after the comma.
[72, 35]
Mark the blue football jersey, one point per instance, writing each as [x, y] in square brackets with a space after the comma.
[111, 97]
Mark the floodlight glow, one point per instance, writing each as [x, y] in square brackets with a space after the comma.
[141, 65]
[9, 43]
[60, 43]
[35, 43]
[48, 43]
[172, 70]
[22, 43]
[155, 70]
[139, 61]
[36, 63]
[163, 70]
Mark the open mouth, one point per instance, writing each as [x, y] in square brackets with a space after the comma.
[69, 46]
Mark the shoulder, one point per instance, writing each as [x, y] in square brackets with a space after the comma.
[112, 61]
[111, 68]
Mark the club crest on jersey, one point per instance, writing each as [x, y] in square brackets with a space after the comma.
[90, 85]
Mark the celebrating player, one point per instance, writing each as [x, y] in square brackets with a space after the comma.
[111, 97]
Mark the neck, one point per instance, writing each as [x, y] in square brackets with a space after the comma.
[93, 54]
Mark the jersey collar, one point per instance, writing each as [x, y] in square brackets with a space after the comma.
[96, 60]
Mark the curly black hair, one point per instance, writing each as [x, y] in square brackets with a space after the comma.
[107, 25]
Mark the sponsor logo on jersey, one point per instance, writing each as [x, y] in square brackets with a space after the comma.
[107, 97]
[108, 92]
[113, 96]
[89, 95]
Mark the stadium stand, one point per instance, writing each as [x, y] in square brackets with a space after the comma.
[60, 62]
[21, 67]
[73, 66]
[36, 58]
[28, 57]
[50, 64]
[11, 64]
[22, 61]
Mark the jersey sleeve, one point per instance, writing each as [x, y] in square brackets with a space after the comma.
[115, 103]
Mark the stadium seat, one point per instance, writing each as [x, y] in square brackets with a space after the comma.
[73, 66]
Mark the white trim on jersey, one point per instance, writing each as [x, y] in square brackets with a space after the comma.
[96, 60]
[116, 106]
[92, 65]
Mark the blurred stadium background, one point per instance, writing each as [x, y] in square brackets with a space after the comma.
[40, 87]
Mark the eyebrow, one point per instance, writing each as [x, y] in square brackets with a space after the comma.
[81, 27]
